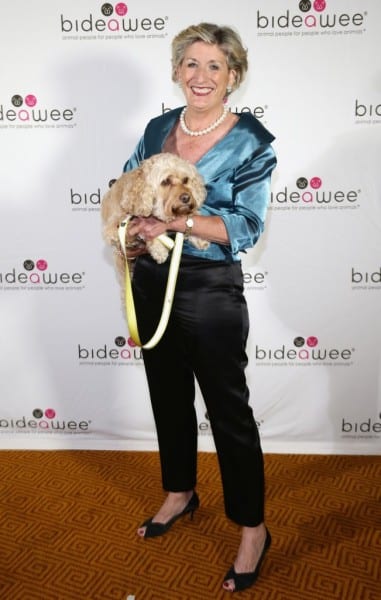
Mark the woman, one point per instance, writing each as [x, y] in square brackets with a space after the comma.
[208, 327]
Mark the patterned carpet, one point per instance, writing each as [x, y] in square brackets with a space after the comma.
[68, 521]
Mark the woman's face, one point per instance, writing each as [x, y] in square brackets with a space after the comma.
[204, 76]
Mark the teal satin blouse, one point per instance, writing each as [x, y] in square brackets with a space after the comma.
[236, 172]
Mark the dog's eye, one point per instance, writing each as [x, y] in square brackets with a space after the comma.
[185, 180]
[166, 181]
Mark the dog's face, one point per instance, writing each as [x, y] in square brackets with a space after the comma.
[176, 186]
[174, 196]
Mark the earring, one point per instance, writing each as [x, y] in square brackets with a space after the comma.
[229, 90]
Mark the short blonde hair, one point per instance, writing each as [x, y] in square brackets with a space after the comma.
[228, 41]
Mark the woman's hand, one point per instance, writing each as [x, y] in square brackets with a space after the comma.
[146, 228]
[139, 230]
[135, 246]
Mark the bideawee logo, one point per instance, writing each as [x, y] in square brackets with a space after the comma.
[367, 113]
[85, 201]
[256, 280]
[303, 352]
[44, 421]
[112, 22]
[362, 279]
[310, 19]
[365, 427]
[123, 352]
[26, 112]
[312, 194]
[37, 275]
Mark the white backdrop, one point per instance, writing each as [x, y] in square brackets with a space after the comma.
[78, 82]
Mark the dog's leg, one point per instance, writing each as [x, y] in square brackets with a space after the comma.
[158, 251]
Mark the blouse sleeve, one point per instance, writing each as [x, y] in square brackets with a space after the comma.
[251, 194]
[136, 157]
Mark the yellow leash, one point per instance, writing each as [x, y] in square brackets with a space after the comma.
[177, 246]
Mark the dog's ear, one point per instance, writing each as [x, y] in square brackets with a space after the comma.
[105, 206]
[111, 201]
[140, 193]
[127, 187]
[112, 213]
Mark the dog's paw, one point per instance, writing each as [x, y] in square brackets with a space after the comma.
[198, 242]
[158, 251]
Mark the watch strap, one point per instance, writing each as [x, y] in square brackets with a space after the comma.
[188, 227]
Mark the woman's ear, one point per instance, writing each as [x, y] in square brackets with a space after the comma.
[232, 78]
[177, 77]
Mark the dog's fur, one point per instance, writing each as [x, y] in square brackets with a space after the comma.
[164, 186]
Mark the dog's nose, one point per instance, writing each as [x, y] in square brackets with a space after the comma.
[184, 198]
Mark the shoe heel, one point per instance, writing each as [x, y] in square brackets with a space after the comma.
[193, 505]
[156, 529]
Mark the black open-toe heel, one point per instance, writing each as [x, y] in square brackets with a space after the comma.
[242, 581]
[156, 529]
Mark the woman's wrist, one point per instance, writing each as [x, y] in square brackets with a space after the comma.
[179, 224]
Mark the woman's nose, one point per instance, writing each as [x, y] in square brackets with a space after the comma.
[200, 74]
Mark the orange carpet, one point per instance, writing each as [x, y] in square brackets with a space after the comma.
[68, 521]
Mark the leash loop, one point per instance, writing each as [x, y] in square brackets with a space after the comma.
[176, 247]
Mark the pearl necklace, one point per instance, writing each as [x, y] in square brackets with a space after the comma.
[207, 129]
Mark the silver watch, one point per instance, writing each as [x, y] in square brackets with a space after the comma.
[188, 227]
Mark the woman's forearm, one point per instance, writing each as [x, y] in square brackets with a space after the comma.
[210, 228]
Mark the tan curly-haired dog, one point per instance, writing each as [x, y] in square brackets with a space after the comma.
[164, 186]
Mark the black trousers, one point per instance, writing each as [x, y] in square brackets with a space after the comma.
[205, 338]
